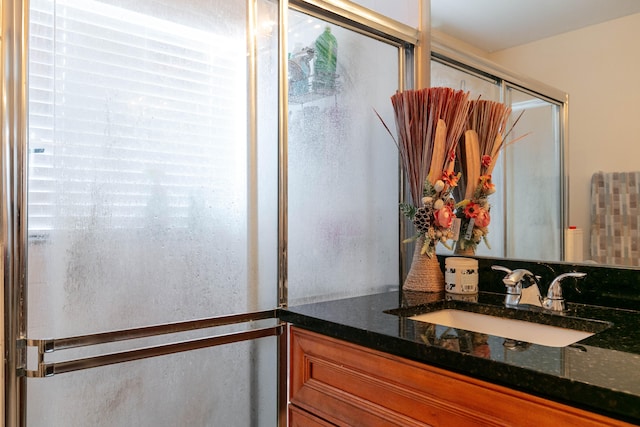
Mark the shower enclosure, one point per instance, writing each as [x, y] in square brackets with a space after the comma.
[163, 193]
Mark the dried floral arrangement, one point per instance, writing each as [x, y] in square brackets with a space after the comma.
[429, 124]
[477, 153]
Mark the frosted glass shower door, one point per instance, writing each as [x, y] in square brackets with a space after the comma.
[533, 177]
[342, 165]
[142, 207]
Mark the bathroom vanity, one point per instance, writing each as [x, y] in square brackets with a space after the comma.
[365, 361]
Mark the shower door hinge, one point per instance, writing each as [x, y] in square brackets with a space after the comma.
[21, 348]
[30, 350]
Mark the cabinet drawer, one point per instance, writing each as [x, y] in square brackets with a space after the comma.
[350, 385]
[300, 418]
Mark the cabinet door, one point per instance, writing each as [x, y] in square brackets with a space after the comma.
[349, 385]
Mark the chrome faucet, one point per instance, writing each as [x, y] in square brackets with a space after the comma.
[523, 290]
[554, 300]
[522, 287]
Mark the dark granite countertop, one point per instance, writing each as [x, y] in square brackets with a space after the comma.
[600, 373]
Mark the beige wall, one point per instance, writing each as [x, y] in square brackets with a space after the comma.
[599, 67]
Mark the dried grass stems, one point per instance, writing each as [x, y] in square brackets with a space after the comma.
[429, 124]
[480, 147]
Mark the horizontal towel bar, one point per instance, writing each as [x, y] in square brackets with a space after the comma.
[50, 345]
[50, 369]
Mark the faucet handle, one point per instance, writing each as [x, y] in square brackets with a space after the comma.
[554, 300]
[506, 270]
[501, 268]
[555, 289]
[513, 291]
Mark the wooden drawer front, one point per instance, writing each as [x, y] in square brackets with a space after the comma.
[349, 385]
[300, 418]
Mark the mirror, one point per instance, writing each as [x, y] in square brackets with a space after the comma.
[596, 65]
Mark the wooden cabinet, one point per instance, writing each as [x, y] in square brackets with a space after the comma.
[300, 418]
[336, 383]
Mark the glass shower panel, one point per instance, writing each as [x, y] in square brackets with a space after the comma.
[343, 217]
[534, 193]
[443, 75]
[176, 390]
[138, 165]
[487, 89]
[143, 203]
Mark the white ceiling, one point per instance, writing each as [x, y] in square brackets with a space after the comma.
[493, 25]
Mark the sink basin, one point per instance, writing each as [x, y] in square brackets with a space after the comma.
[536, 333]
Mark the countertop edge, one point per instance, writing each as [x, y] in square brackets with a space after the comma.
[562, 390]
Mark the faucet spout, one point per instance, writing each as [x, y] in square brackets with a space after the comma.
[516, 277]
[522, 288]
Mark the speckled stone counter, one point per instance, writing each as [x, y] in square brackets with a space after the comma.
[600, 373]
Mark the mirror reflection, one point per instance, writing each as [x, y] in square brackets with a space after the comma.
[526, 210]
[596, 65]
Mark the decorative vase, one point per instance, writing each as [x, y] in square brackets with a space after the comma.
[468, 251]
[425, 274]
[414, 298]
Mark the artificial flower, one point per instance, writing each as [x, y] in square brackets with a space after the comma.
[444, 216]
[487, 186]
[451, 178]
[432, 220]
[482, 218]
[452, 155]
[471, 210]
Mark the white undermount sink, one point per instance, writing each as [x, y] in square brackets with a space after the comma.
[519, 330]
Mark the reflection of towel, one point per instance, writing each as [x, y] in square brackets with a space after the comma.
[615, 217]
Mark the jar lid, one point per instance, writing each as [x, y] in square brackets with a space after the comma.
[461, 262]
